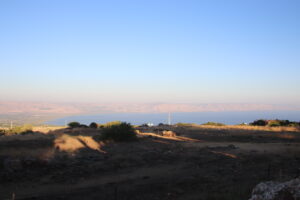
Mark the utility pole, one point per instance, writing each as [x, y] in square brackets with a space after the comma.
[169, 118]
[11, 124]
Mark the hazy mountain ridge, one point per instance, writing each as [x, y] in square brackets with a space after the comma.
[8, 107]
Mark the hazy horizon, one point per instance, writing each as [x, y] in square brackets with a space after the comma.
[192, 52]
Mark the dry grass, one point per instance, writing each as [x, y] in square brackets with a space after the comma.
[46, 129]
[248, 127]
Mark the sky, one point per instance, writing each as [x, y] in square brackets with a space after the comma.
[202, 51]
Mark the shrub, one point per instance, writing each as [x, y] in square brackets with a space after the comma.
[74, 125]
[284, 122]
[119, 132]
[294, 124]
[213, 124]
[83, 126]
[93, 125]
[184, 124]
[144, 125]
[260, 122]
[274, 123]
[2, 132]
[109, 124]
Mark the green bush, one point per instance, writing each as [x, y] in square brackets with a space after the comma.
[213, 124]
[284, 122]
[274, 123]
[93, 125]
[119, 132]
[74, 125]
[260, 122]
[294, 124]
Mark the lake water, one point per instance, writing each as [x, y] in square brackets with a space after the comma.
[229, 118]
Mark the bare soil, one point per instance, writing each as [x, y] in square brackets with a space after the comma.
[199, 163]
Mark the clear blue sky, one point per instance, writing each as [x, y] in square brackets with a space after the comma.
[209, 51]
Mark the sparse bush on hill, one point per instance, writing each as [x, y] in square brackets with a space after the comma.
[274, 123]
[284, 122]
[119, 132]
[74, 125]
[287, 123]
[144, 125]
[214, 124]
[260, 122]
[295, 124]
[83, 126]
[93, 125]
[184, 124]
[109, 124]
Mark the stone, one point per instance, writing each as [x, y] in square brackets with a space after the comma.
[270, 190]
[169, 134]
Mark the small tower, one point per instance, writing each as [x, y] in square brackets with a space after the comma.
[169, 119]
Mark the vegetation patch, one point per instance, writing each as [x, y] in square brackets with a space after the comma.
[93, 125]
[119, 132]
[109, 124]
[74, 125]
[213, 124]
[17, 130]
[185, 124]
[274, 123]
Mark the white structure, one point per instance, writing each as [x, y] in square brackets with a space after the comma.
[150, 124]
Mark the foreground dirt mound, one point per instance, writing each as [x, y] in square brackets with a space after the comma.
[277, 191]
[73, 143]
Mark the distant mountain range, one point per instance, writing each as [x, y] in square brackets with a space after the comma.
[14, 107]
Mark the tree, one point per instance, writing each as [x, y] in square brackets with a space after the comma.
[93, 125]
[74, 124]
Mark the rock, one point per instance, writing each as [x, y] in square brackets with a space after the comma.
[169, 134]
[277, 191]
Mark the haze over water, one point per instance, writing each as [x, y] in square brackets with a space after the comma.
[229, 118]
